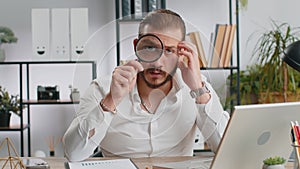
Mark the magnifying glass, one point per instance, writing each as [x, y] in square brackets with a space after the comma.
[149, 48]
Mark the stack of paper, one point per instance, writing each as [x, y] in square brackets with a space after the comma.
[101, 164]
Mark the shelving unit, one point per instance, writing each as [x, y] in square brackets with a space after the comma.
[26, 125]
[235, 13]
[233, 16]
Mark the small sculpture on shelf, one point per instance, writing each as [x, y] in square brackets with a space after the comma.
[74, 95]
[52, 143]
[13, 160]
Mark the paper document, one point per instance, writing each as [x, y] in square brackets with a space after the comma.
[99, 164]
[203, 163]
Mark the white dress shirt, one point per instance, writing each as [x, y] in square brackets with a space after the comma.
[133, 132]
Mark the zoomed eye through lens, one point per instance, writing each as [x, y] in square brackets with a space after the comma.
[149, 48]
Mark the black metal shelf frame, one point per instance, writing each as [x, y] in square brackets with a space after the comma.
[23, 102]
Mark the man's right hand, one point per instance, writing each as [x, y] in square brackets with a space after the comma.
[123, 81]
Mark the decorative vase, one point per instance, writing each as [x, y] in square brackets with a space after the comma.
[75, 95]
[278, 166]
[4, 119]
[2, 55]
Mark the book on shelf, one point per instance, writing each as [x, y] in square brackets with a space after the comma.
[132, 6]
[195, 38]
[152, 5]
[211, 47]
[229, 48]
[217, 45]
[138, 8]
[222, 45]
[145, 6]
[126, 8]
[135, 9]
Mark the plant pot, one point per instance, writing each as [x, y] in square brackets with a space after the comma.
[278, 166]
[249, 99]
[2, 55]
[277, 97]
[4, 119]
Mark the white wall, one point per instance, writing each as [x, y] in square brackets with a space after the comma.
[17, 15]
[199, 14]
[257, 17]
[54, 119]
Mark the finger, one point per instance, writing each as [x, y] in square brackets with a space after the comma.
[131, 66]
[183, 60]
[187, 46]
[189, 50]
[136, 65]
[125, 74]
[188, 55]
[120, 81]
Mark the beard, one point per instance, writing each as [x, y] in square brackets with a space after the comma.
[155, 86]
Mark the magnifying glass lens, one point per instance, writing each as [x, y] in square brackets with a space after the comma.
[149, 48]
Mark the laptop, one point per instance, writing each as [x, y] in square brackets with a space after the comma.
[256, 132]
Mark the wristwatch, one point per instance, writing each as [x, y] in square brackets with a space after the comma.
[200, 91]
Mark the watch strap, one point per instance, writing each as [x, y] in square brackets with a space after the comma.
[200, 91]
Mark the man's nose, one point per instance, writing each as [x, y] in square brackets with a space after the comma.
[159, 61]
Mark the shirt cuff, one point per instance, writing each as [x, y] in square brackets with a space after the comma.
[212, 108]
[100, 121]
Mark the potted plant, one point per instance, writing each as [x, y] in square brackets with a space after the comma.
[248, 87]
[6, 36]
[8, 103]
[274, 163]
[276, 77]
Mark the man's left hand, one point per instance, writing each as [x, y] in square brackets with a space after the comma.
[190, 69]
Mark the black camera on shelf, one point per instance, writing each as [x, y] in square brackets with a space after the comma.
[48, 92]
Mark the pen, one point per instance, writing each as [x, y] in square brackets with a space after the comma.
[295, 140]
[297, 131]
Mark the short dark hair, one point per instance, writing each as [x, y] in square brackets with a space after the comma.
[163, 19]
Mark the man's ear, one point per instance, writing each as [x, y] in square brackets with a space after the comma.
[134, 43]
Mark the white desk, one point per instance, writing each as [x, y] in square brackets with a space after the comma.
[141, 163]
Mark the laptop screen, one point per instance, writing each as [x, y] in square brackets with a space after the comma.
[256, 132]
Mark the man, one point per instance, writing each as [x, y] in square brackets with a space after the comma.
[149, 107]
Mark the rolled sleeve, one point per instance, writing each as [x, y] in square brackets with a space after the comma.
[104, 121]
[77, 144]
[212, 120]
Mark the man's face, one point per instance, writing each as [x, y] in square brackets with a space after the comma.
[158, 72]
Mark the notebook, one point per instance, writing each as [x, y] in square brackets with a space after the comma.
[200, 163]
[256, 132]
[101, 164]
